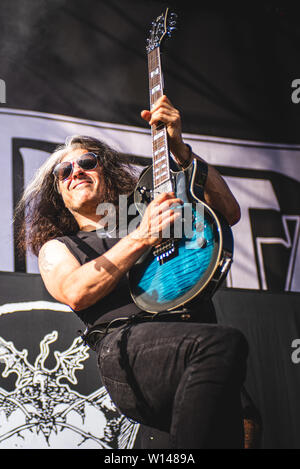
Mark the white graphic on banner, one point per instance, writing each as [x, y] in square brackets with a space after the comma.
[24, 138]
[30, 305]
[260, 195]
[292, 244]
[44, 412]
[2, 91]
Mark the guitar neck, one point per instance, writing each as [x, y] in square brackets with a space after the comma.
[160, 150]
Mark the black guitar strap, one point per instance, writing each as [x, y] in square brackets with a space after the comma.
[200, 177]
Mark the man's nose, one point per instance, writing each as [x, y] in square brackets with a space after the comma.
[77, 170]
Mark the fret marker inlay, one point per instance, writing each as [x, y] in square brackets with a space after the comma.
[154, 72]
[160, 168]
[160, 159]
[158, 135]
[159, 151]
[155, 89]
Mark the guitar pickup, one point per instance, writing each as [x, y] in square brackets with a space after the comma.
[165, 251]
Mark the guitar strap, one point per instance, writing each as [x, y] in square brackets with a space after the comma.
[200, 177]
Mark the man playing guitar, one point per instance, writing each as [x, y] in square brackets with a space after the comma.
[178, 373]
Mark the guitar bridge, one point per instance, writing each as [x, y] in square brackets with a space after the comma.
[165, 251]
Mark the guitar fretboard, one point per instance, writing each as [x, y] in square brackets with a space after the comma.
[160, 152]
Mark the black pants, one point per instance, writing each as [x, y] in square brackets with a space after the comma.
[184, 378]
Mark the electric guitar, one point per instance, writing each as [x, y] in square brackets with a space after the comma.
[195, 258]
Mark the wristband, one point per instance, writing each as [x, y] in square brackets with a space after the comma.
[201, 170]
[188, 162]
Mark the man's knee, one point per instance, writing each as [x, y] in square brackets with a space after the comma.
[236, 349]
[220, 341]
[221, 352]
[235, 340]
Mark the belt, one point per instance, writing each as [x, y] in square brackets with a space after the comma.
[92, 335]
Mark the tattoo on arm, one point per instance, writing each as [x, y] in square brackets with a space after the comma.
[44, 261]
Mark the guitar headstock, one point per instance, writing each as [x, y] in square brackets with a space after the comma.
[161, 28]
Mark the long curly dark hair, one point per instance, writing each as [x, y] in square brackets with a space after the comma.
[41, 214]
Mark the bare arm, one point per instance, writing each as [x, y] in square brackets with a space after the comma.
[80, 286]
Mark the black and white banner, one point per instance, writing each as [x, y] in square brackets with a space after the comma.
[51, 395]
[71, 67]
[44, 407]
[265, 179]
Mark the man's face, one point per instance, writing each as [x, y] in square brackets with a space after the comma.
[81, 191]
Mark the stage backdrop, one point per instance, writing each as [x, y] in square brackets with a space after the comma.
[231, 72]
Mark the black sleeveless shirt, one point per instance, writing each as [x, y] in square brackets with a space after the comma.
[86, 246]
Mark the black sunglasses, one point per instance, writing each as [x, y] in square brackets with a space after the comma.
[64, 170]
